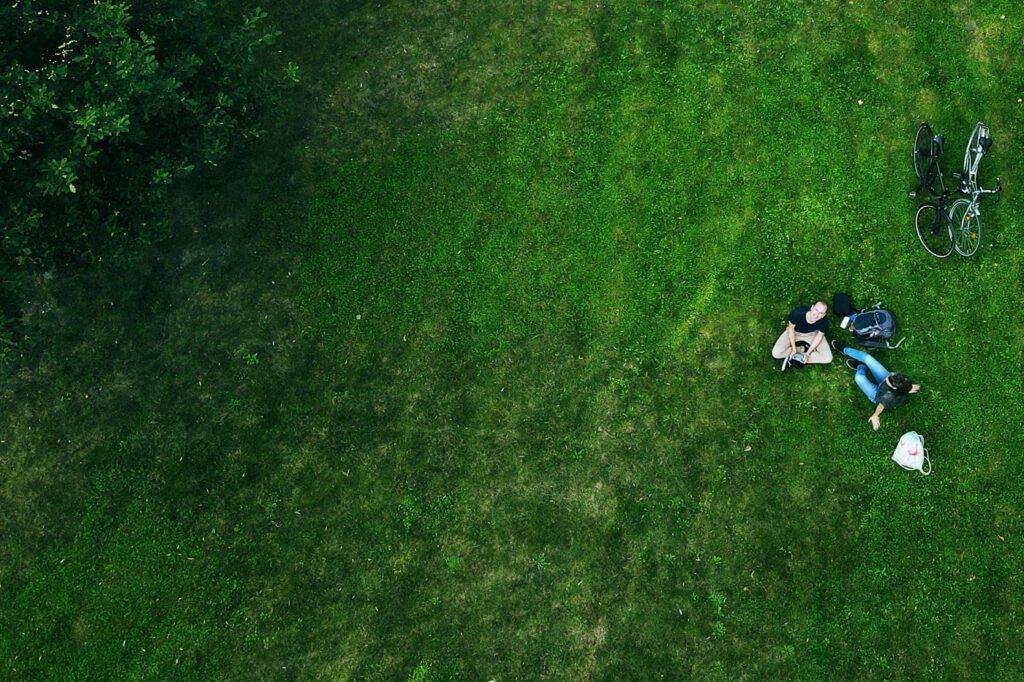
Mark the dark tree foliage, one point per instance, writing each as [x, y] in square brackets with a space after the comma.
[103, 103]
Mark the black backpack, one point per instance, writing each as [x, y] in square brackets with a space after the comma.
[871, 327]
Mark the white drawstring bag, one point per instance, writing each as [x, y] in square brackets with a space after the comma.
[911, 454]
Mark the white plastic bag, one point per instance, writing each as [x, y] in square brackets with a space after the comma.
[911, 453]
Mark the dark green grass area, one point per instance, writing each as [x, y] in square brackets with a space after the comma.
[466, 373]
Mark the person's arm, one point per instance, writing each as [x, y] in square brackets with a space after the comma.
[874, 418]
[791, 333]
[816, 343]
[915, 388]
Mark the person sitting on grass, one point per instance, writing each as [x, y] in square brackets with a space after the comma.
[887, 390]
[806, 327]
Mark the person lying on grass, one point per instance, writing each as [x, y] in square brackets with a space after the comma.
[805, 326]
[887, 390]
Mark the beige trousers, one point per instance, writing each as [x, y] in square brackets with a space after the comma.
[821, 355]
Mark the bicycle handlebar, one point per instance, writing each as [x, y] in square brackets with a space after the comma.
[981, 192]
[997, 191]
[999, 188]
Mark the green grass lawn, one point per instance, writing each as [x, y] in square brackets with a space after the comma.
[464, 372]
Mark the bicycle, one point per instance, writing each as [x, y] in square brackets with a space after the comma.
[969, 238]
[942, 231]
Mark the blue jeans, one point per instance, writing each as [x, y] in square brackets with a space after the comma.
[863, 383]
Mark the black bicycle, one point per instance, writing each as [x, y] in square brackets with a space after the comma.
[942, 230]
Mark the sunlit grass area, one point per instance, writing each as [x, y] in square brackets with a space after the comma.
[464, 372]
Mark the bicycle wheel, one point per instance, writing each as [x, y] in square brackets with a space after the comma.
[934, 230]
[924, 155]
[974, 148]
[966, 223]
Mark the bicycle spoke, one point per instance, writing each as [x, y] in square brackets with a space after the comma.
[966, 227]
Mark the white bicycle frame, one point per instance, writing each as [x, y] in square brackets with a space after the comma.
[972, 157]
[977, 146]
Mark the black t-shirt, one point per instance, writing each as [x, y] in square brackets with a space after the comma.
[799, 319]
[888, 398]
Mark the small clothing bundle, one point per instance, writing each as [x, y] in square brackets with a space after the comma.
[911, 453]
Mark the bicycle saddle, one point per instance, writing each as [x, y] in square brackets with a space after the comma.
[940, 143]
[985, 143]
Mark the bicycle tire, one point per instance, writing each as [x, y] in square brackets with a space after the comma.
[924, 156]
[934, 229]
[966, 223]
[972, 142]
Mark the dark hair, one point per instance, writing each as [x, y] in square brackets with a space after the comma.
[900, 383]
